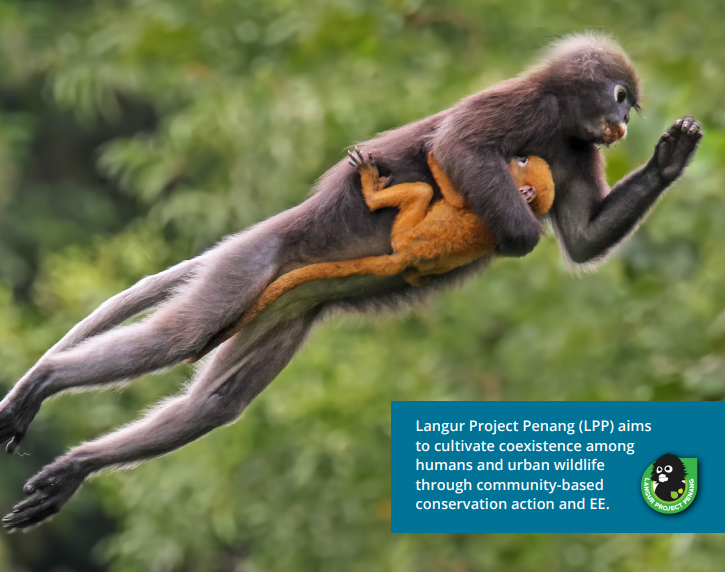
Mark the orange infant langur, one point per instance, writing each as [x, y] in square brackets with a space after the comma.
[427, 237]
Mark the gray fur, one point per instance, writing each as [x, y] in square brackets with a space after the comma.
[145, 294]
[555, 110]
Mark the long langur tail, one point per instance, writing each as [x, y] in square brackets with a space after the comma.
[145, 294]
[386, 265]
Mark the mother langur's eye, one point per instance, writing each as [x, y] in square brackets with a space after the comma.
[668, 469]
[659, 469]
[620, 93]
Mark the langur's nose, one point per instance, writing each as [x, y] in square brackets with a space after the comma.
[626, 117]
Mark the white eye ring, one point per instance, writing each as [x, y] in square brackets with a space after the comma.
[668, 469]
[620, 94]
[523, 161]
[659, 469]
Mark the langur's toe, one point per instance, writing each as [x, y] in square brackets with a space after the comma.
[686, 122]
[12, 428]
[47, 492]
[352, 159]
[14, 443]
[16, 415]
[31, 512]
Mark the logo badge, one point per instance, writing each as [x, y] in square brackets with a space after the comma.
[669, 485]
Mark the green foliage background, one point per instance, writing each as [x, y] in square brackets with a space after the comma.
[134, 134]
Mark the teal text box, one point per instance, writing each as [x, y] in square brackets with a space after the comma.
[555, 466]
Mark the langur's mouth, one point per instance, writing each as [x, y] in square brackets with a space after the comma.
[529, 192]
[613, 132]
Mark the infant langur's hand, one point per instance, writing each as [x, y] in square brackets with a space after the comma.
[528, 192]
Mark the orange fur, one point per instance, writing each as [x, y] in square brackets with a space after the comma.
[426, 238]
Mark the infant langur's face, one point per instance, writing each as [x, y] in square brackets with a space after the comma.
[532, 177]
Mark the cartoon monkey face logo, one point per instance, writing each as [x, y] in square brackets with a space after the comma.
[669, 485]
[668, 478]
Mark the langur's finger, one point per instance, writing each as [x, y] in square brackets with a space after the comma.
[694, 128]
[686, 122]
[676, 128]
[30, 516]
[32, 501]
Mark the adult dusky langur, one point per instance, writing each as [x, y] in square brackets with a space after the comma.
[578, 97]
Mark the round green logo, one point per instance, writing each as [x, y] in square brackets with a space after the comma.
[669, 485]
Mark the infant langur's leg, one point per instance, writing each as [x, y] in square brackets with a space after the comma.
[411, 199]
[236, 374]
